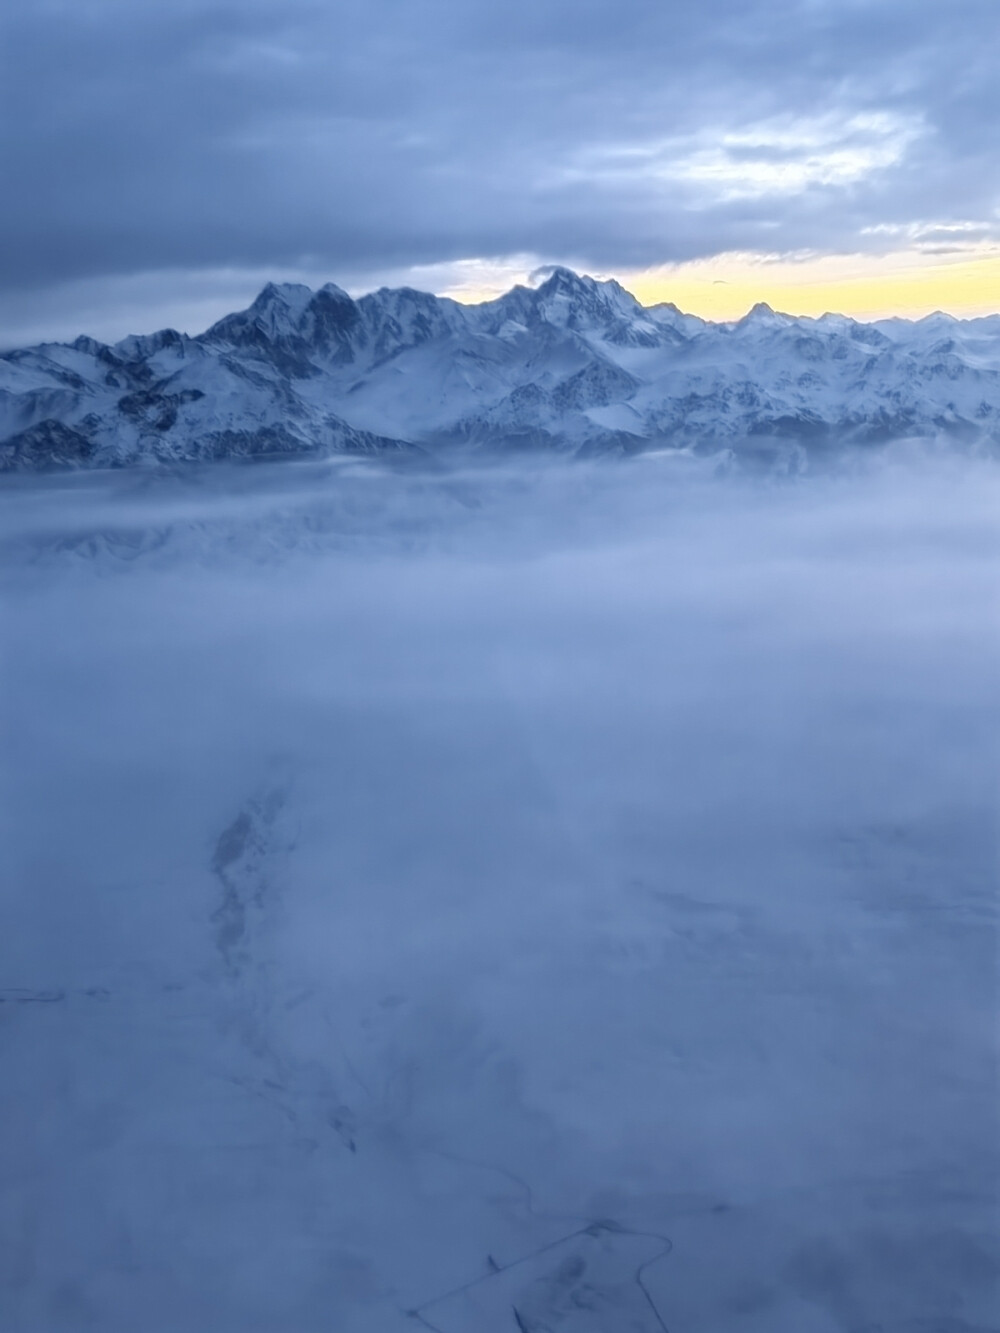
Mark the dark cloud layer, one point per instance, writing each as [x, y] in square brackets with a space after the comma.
[352, 136]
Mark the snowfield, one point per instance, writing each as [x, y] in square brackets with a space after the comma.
[513, 896]
[573, 366]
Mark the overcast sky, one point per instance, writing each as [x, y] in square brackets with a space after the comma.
[161, 160]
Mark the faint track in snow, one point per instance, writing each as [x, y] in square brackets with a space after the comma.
[587, 1228]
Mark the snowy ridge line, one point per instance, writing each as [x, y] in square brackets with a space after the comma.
[576, 366]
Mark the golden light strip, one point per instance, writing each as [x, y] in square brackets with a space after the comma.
[910, 284]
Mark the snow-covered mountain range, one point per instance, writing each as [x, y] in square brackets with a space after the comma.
[575, 364]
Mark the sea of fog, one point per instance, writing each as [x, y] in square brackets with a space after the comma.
[546, 898]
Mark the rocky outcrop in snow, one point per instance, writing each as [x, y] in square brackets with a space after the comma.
[574, 364]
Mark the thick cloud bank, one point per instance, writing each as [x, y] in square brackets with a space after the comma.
[557, 899]
[166, 145]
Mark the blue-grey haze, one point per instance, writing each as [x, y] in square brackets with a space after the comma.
[406, 871]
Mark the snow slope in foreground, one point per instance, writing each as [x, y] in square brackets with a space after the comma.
[571, 893]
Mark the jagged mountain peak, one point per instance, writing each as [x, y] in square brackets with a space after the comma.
[90, 346]
[290, 295]
[577, 287]
[575, 363]
[560, 278]
[762, 316]
[591, 306]
[286, 314]
[409, 301]
[136, 346]
[331, 289]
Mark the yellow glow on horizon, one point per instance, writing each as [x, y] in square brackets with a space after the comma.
[964, 281]
[910, 284]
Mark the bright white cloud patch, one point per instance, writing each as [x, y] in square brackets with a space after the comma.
[779, 157]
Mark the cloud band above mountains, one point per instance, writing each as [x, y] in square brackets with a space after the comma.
[355, 138]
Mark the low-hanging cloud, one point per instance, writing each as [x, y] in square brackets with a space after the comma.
[422, 882]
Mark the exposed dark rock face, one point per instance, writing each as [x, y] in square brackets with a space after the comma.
[574, 365]
[47, 445]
